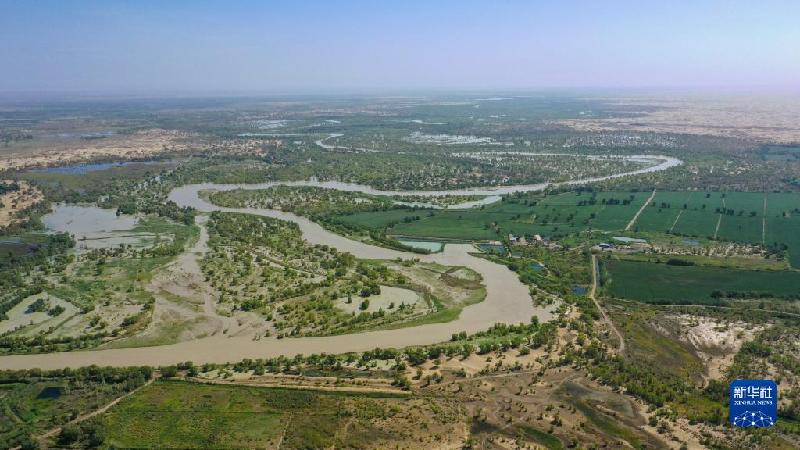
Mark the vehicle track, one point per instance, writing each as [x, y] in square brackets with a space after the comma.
[606, 319]
[639, 212]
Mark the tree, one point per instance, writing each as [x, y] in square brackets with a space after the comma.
[70, 434]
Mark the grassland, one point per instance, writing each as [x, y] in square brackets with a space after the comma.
[190, 415]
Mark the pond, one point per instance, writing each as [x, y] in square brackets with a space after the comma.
[51, 392]
[495, 249]
[423, 245]
[629, 240]
[15, 247]
[86, 221]
[579, 290]
[537, 267]
[95, 227]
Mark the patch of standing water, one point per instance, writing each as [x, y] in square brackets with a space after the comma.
[51, 392]
[579, 290]
[495, 249]
[20, 317]
[423, 245]
[629, 240]
[86, 220]
[78, 169]
[94, 227]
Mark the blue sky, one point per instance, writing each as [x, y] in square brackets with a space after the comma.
[335, 46]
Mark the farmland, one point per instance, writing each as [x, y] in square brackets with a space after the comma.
[604, 304]
[769, 219]
[664, 283]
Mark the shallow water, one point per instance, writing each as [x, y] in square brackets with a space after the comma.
[492, 248]
[50, 392]
[95, 227]
[77, 169]
[629, 240]
[579, 290]
[86, 221]
[423, 245]
[507, 298]
[187, 195]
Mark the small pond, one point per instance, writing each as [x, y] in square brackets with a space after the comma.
[95, 227]
[85, 221]
[15, 247]
[423, 245]
[629, 240]
[492, 248]
[537, 267]
[51, 392]
[78, 169]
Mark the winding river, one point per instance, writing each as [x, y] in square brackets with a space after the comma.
[186, 195]
[507, 299]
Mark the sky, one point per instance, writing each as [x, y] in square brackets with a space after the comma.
[340, 46]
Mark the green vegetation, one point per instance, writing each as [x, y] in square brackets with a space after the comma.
[190, 415]
[98, 283]
[315, 203]
[540, 437]
[32, 402]
[6, 187]
[262, 264]
[665, 283]
[721, 234]
[136, 187]
[740, 215]
[332, 208]
[557, 270]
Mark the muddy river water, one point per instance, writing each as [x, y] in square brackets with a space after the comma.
[507, 299]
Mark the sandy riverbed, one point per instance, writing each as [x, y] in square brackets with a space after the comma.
[507, 300]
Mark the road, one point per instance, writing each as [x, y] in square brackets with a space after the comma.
[606, 319]
[54, 431]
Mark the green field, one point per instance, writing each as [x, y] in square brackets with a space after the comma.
[553, 215]
[744, 217]
[785, 230]
[663, 283]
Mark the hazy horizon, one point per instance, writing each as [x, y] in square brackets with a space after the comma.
[215, 48]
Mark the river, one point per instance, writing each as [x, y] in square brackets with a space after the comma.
[186, 195]
[507, 299]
